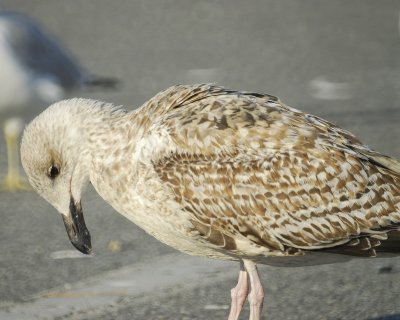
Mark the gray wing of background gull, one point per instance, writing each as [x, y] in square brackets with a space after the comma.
[40, 53]
[34, 70]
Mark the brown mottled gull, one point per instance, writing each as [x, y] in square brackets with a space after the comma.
[220, 173]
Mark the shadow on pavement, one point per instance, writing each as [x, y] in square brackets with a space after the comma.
[390, 317]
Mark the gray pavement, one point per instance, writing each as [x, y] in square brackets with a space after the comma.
[336, 59]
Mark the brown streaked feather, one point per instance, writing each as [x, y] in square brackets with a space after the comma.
[214, 236]
[362, 247]
[380, 160]
[370, 246]
[245, 166]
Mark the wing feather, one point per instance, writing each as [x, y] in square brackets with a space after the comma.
[246, 166]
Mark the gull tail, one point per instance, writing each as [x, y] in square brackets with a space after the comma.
[371, 245]
[392, 244]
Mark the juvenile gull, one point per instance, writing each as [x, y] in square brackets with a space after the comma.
[35, 70]
[220, 173]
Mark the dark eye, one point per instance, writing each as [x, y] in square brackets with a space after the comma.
[53, 172]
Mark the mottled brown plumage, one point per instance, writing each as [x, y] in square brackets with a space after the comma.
[246, 165]
[223, 174]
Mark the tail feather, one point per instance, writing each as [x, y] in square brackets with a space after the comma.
[392, 244]
[370, 245]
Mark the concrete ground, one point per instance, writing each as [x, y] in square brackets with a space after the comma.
[337, 59]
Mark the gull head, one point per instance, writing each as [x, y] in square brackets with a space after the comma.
[55, 159]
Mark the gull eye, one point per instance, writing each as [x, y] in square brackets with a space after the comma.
[53, 172]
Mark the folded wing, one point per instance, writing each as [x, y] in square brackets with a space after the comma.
[245, 166]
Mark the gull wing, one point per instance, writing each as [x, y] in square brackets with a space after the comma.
[245, 166]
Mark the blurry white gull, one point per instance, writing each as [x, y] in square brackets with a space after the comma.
[34, 71]
[220, 173]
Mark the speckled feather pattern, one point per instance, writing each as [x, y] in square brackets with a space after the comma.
[237, 175]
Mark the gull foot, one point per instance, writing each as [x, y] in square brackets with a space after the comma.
[12, 184]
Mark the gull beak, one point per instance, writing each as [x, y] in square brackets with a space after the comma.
[76, 228]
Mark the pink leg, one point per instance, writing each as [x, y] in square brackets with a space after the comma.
[239, 294]
[256, 296]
